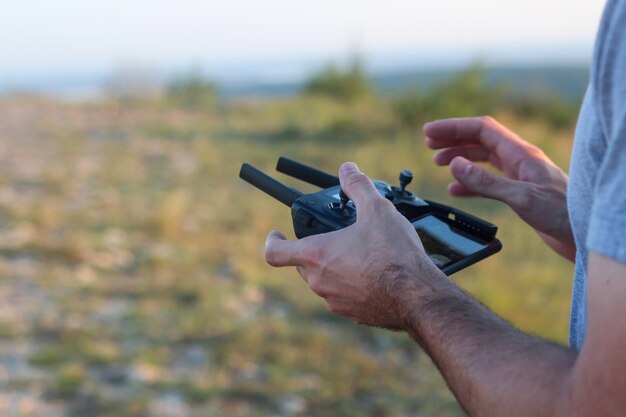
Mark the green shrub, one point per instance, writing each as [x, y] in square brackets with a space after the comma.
[469, 94]
[554, 111]
[466, 94]
[343, 84]
[69, 379]
[192, 91]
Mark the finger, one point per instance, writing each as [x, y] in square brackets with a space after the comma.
[282, 252]
[357, 186]
[474, 153]
[319, 286]
[457, 189]
[340, 308]
[478, 180]
[302, 272]
[449, 143]
[453, 132]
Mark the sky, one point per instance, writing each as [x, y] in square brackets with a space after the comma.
[42, 37]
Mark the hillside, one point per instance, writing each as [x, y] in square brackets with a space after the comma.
[567, 82]
[133, 282]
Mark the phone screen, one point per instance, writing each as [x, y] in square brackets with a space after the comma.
[444, 243]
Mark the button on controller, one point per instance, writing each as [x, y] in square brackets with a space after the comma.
[343, 199]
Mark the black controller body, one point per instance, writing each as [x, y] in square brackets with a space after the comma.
[323, 211]
[327, 210]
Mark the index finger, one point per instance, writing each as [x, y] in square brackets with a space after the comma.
[466, 131]
[282, 252]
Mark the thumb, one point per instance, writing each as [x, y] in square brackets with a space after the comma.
[357, 186]
[482, 182]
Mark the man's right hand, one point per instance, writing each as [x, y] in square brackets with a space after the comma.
[532, 185]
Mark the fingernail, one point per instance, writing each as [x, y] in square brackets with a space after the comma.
[467, 169]
[432, 123]
[276, 233]
[349, 167]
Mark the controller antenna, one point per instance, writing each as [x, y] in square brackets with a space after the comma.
[406, 177]
[306, 173]
[269, 185]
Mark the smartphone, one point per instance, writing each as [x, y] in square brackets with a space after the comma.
[449, 246]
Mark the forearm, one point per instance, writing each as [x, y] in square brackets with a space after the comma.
[376, 272]
[492, 368]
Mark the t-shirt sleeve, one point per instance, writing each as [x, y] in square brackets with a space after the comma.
[607, 226]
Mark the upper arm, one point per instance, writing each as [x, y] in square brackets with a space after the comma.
[599, 376]
[607, 223]
[598, 381]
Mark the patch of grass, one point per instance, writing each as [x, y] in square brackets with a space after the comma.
[69, 379]
[148, 250]
[48, 356]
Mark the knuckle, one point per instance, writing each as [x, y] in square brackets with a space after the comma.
[381, 204]
[523, 197]
[531, 149]
[305, 274]
[357, 179]
[484, 179]
[487, 120]
[314, 256]
[271, 257]
[318, 287]
[333, 307]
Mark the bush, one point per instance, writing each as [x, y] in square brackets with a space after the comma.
[192, 91]
[466, 94]
[347, 84]
[469, 94]
[554, 111]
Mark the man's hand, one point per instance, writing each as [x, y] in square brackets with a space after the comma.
[532, 185]
[376, 272]
[367, 271]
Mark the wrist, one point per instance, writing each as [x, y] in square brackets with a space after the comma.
[413, 289]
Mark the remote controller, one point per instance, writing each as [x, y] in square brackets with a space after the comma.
[452, 238]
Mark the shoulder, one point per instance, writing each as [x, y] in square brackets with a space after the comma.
[609, 70]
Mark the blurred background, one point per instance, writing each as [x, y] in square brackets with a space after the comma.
[132, 281]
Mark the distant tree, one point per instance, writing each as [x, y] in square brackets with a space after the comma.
[411, 108]
[465, 94]
[192, 90]
[557, 112]
[344, 84]
[469, 94]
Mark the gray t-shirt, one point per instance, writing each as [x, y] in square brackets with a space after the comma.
[597, 185]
